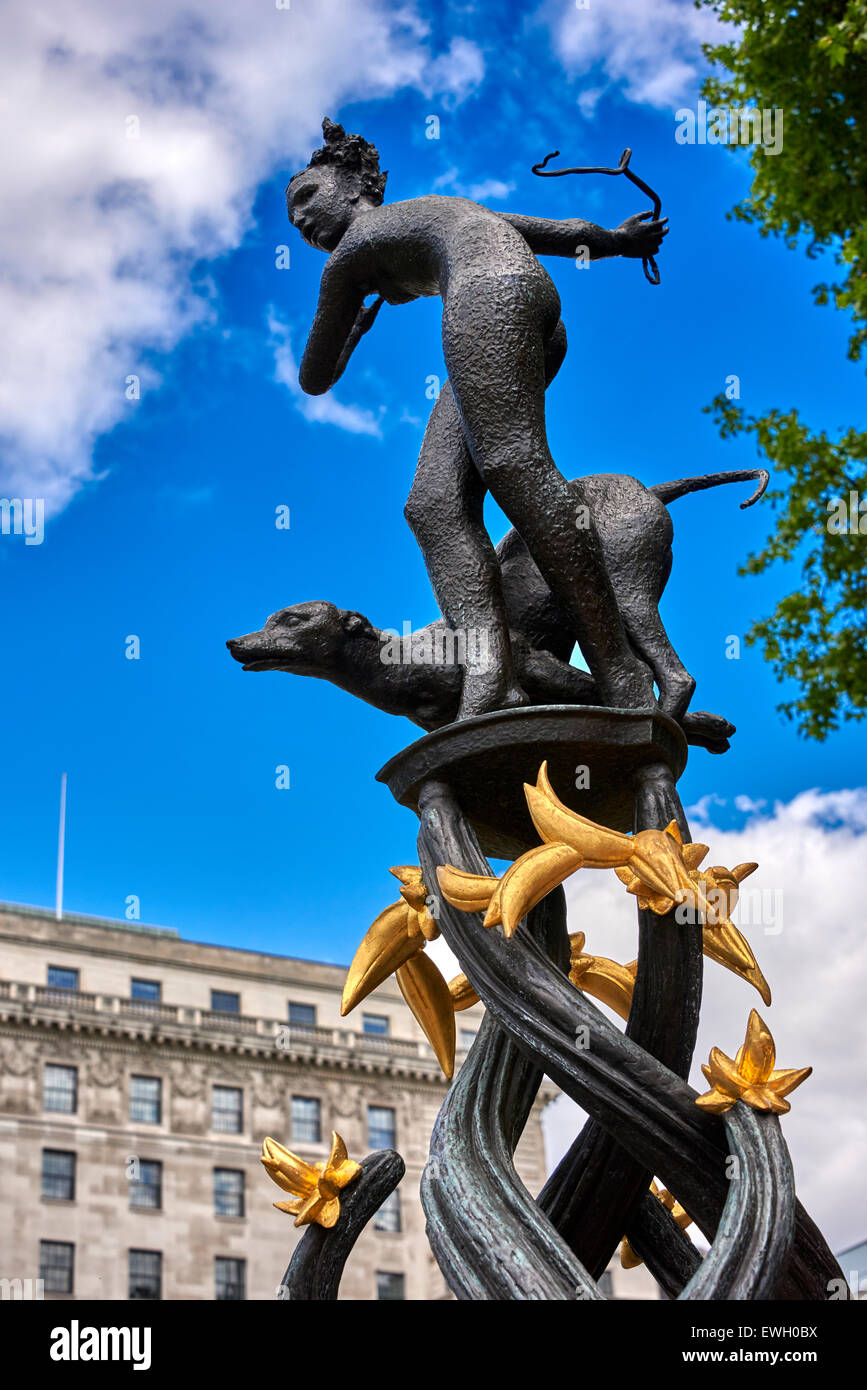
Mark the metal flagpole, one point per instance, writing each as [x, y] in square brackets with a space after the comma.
[61, 836]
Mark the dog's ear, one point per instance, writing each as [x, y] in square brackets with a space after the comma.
[356, 624]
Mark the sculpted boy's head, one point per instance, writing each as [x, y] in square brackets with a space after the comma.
[342, 177]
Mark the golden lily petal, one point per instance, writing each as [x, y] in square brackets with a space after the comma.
[340, 1168]
[606, 980]
[466, 892]
[756, 1058]
[287, 1170]
[782, 1082]
[385, 946]
[407, 874]
[415, 894]
[532, 877]
[430, 1000]
[323, 1210]
[694, 853]
[724, 1074]
[291, 1208]
[463, 994]
[716, 1102]
[628, 1257]
[730, 948]
[494, 914]
[763, 1098]
[599, 847]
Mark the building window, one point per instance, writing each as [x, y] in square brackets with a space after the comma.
[224, 1002]
[146, 1185]
[145, 1274]
[61, 977]
[228, 1192]
[55, 1265]
[306, 1120]
[389, 1286]
[227, 1109]
[376, 1024]
[231, 1279]
[468, 1037]
[302, 1015]
[61, 1089]
[145, 1100]
[388, 1216]
[381, 1130]
[150, 991]
[58, 1175]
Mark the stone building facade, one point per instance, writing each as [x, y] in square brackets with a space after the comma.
[139, 1074]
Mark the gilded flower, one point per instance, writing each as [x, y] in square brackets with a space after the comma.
[393, 945]
[317, 1187]
[751, 1076]
[655, 865]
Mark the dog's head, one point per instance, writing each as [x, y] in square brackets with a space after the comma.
[304, 637]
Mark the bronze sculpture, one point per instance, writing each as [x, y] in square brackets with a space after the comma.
[550, 583]
[504, 342]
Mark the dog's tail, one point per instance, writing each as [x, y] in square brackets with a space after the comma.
[669, 492]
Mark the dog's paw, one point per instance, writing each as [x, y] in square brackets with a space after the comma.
[706, 730]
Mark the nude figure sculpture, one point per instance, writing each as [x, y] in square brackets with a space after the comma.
[503, 342]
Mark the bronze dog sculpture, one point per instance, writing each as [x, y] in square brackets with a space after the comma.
[319, 639]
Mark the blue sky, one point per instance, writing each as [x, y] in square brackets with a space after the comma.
[167, 531]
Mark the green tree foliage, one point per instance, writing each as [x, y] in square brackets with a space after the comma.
[809, 59]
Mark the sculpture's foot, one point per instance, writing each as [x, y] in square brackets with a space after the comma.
[485, 691]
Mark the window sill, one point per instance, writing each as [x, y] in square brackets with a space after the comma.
[57, 1201]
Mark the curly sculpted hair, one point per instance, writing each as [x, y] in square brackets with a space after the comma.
[350, 152]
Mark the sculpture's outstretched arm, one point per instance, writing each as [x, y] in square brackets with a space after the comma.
[545, 236]
[340, 321]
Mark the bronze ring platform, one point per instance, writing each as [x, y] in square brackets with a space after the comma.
[487, 760]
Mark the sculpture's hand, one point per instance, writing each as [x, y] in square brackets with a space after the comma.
[364, 321]
[639, 238]
[367, 316]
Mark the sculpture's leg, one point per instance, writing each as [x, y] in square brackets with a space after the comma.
[503, 341]
[596, 1190]
[444, 510]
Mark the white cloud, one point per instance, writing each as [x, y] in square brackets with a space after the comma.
[811, 853]
[456, 73]
[651, 52]
[322, 410]
[588, 100]
[478, 192]
[99, 232]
